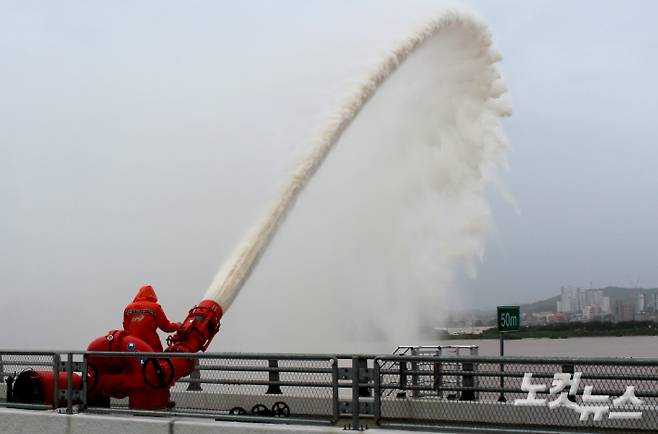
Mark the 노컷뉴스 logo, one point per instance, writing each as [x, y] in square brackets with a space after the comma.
[598, 405]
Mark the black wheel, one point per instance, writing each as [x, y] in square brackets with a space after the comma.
[281, 409]
[260, 410]
[162, 381]
[237, 411]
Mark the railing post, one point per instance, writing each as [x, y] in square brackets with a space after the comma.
[85, 382]
[501, 397]
[415, 393]
[195, 386]
[56, 364]
[437, 376]
[467, 382]
[403, 380]
[473, 352]
[69, 383]
[377, 411]
[274, 377]
[355, 393]
[364, 377]
[334, 388]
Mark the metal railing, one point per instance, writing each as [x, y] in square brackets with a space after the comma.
[429, 351]
[359, 390]
[270, 387]
[467, 390]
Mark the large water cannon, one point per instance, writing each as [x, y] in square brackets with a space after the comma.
[147, 382]
[144, 380]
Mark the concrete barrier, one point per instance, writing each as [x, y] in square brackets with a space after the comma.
[31, 422]
[14, 421]
[469, 412]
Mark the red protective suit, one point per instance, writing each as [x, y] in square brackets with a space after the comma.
[144, 316]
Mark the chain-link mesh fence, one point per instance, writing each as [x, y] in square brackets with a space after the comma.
[619, 394]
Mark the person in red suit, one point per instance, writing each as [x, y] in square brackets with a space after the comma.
[144, 316]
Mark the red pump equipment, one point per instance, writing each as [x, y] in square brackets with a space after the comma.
[145, 381]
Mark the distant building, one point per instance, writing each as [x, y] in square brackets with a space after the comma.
[640, 304]
[572, 300]
[587, 313]
[582, 299]
[605, 305]
[651, 302]
[577, 304]
[622, 311]
[596, 313]
[556, 317]
[617, 310]
[594, 297]
[564, 305]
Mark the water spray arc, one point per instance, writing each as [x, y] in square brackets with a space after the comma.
[234, 273]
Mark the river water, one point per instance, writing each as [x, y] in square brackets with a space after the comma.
[630, 346]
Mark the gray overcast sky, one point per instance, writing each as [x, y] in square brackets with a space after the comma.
[108, 114]
[584, 164]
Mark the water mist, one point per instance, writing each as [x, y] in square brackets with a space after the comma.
[395, 208]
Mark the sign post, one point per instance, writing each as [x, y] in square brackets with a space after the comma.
[509, 320]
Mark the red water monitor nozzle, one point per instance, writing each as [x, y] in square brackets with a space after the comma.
[198, 329]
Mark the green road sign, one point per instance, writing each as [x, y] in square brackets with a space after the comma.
[509, 318]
